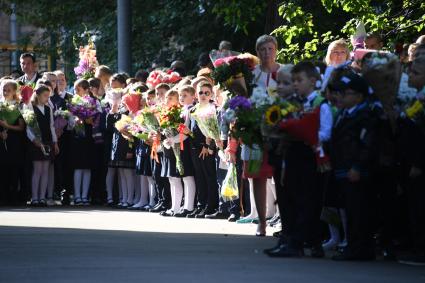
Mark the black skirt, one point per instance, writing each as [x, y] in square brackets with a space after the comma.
[169, 163]
[37, 153]
[143, 160]
[81, 152]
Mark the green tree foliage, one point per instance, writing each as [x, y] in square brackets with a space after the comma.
[162, 30]
[309, 26]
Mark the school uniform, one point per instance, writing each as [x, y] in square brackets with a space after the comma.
[412, 154]
[120, 146]
[352, 146]
[12, 152]
[205, 172]
[63, 174]
[81, 154]
[384, 178]
[301, 198]
[100, 169]
[143, 160]
[44, 117]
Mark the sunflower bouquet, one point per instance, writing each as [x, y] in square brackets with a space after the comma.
[275, 113]
[415, 111]
[170, 122]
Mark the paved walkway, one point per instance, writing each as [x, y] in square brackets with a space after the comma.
[101, 245]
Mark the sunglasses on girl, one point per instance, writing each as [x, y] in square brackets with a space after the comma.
[206, 93]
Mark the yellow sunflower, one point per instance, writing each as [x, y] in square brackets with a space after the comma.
[273, 115]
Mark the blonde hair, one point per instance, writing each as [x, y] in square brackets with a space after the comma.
[172, 92]
[187, 88]
[6, 82]
[340, 43]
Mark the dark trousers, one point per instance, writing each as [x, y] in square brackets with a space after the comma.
[277, 163]
[98, 180]
[9, 187]
[302, 197]
[384, 182]
[358, 198]
[416, 204]
[205, 180]
[162, 185]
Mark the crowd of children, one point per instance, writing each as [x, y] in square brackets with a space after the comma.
[362, 178]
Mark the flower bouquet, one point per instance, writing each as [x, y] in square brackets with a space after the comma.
[415, 110]
[132, 102]
[158, 76]
[383, 73]
[31, 122]
[305, 128]
[229, 189]
[9, 112]
[146, 121]
[244, 118]
[83, 109]
[124, 125]
[26, 93]
[170, 121]
[114, 95]
[206, 118]
[88, 61]
[235, 73]
[61, 119]
[275, 113]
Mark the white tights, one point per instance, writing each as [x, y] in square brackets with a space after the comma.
[82, 179]
[147, 191]
[126, 178]
[177, 193]
[39, 180]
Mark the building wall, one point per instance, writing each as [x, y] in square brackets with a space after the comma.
[5, 55]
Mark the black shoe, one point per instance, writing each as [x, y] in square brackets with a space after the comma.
[183, 213]
[281, 241]
[347, 254]
[389, 254]
[233, 218]
[285, 251]
[317, 251]
[201, 214]
[217, 215]
[194, 213]
[159, 208]
[275, 219]
[277, 234]
[166, 213]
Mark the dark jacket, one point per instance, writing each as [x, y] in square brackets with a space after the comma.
[353, 142]
[22, 78]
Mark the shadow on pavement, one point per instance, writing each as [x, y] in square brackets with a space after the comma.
[31, 254]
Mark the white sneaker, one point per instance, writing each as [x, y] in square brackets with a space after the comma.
[50, 202]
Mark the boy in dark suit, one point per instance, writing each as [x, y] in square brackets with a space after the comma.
[352, 146]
